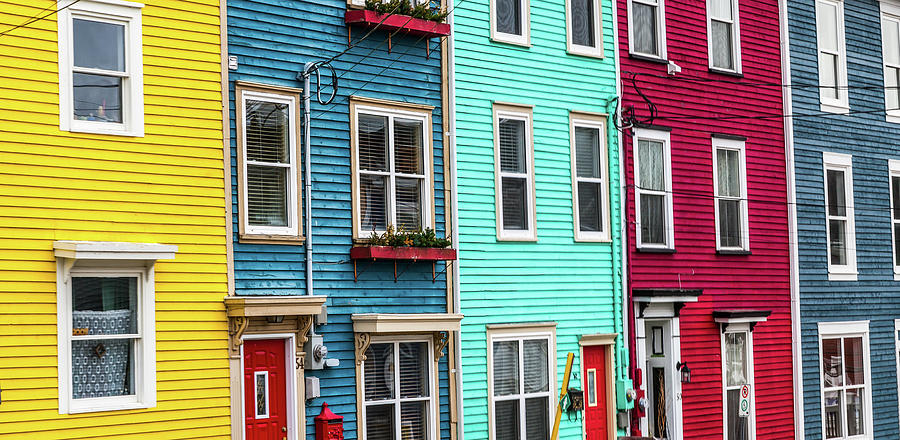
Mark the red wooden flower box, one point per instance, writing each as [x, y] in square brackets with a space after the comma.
[410, 25]
[401, 253]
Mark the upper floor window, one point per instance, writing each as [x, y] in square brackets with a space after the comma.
[846, 380]
[585, 32]
[514, 173]
[653, 189]
[839, 213]
[732, 231]
[894, 166]
[890, 44]
[392, 166]
[647, 28]
[724, 35]
[589, 177]
[510, 21]
[100, 68]
[832, 55]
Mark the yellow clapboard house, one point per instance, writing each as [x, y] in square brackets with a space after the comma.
[113, 263]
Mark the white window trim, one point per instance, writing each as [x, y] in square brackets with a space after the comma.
[519, 113]
[739, 328]
[434, 391]
[502, 37]
[889, 11]
[664, 137]
[735, 40]
[513, 333]
[660, 29]
[841, 162]
[599, 124]
[847, 329]
[739, 146]
[841, 105]
[120, 12]
[893, 171]
[597, 23]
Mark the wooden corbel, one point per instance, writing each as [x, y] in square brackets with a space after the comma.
[304, 323]
[238, 326]
[362, 344]
[440, 342]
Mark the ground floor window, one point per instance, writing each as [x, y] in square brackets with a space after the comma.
[845, 379]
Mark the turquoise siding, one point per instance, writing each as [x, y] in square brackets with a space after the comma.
[575, 284]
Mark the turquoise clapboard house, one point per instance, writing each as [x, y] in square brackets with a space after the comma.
[539, 217]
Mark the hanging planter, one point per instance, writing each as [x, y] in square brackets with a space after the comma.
[394, 22]
[402, 253]
[403, 246]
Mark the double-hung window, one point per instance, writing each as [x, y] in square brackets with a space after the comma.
[514, 173]
[724, 35]
[647, 28]
[839, 216]
[398, 378]
[392, 161]
[894, 167]
[268, 158]
[590, 181]
[585, 29]
[845, 380]
[832, 56]
[653, 189]
[737, 372]
[890, 45]
[521, 384]
[730, 179]
[100, 67]
[510, 21]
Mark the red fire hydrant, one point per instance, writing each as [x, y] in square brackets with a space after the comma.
[329, 426]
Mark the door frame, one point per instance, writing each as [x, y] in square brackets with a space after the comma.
[661, 311]
[293, 408]
[608, 341]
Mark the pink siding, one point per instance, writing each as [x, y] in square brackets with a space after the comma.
[757, 281]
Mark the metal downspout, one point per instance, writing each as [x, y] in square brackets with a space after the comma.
[623, 225]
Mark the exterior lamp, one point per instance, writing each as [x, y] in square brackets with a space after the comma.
[685, 372]
[277, 319]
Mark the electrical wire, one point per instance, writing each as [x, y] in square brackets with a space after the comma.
[697, 79]
[35, 18]
[371, 31]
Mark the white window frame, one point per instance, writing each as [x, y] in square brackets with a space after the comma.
[247, 231]
[841, 162]
[719, 143]
[847, 329]
[393, 111]
[739, 328]
[109, 11]
[502, 37]
[433, 411]
[891, 12]
[524, 113]
[665, 138]
[893, 171]
[660, 29]
[735, 37]
[597, 23]
[514, 332]
[598, 123]
[842, 104]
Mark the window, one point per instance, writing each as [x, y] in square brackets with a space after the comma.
[647, 28]
[890, 44]
[724, 35]
[100, 68]
[832, 56]
[521, 384]
[839, 215]
[894, 166]
[399, 395]
[510, 21]
[589, 181]
[653, 189]
[268, 157]
[732, 231]
[514, 173]
[392, 167]
[737, 372]
[585, 31]
[845, 380]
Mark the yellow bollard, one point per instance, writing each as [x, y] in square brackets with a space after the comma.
[562, 394]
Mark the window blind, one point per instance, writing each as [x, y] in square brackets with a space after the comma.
[514, 177]
[268, 155]
[583, 16]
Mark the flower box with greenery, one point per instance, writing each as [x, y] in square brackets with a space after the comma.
[401, 15]
[403, 245]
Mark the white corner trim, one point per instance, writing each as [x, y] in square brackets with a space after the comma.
[111, 250]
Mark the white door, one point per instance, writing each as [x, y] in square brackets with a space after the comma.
[660, 377]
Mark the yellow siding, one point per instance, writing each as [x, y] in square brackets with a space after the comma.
[166, 187]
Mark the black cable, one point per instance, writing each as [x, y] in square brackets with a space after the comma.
[35, 18]
[697, 79]
[371, 31]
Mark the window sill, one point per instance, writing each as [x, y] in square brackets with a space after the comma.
[524, 42]
[842, 276]
[589, 239]
[733, 73]
[271, 239]
[833, 108]
[587, 52]
[648, 58]
[897, 277]
[733, 252]
[655, 250]
[111, 405]
[892, 118]
[522, 238]
[109, 130]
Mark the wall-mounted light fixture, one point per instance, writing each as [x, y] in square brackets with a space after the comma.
[277, 319]
[685, 372]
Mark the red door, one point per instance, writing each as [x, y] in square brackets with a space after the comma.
[596, 410]
[265, 390]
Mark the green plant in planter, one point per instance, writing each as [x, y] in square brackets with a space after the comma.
[400, 237]
[405, 7]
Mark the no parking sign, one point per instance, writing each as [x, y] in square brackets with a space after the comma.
[744, 404]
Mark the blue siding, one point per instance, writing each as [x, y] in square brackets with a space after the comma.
[273, 40]
[871, 141]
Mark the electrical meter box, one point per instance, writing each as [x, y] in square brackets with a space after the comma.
[622, 401]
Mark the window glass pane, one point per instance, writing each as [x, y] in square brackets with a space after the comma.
[854, 366]
[583, 17]
[895, 196]
[722, 42]
[828, 74]
[897, 244]
[104, 305]
[413, 369]
[721, 9]
[262, 395]
[97, 97]
[267, 195]
[506, 420]
[832, 364]
[644, 28]
[587, 152]
[827, 26]
[409, 203]
[372, 202]
[838, 244]
[735, 359]
[372, 143]
[652, 219]
[537, 378]
[651, 163]
[855, 409]
[728, 169]
[414, 420]
[515, 203]
[408, 149]
[837, 202]
[512, 145]
[738, 427]
[891, 41]
[591, 392]
[99, 45]
[380, 422]
[833, 425]
[730, 223]
[379, 372]
[891, 92]
[589, 207]
[509, 16]
[659, 403]
[102, 368]
[506, 368]
[537, 418]
[267, 132]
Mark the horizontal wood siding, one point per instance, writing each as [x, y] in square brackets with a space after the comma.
[165, 187]
[272, 41]
[759, 281]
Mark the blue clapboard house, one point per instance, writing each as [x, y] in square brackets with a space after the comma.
[844, 65]
[317, 315]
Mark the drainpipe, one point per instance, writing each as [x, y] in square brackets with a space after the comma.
[623, 225]
[308, 69]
